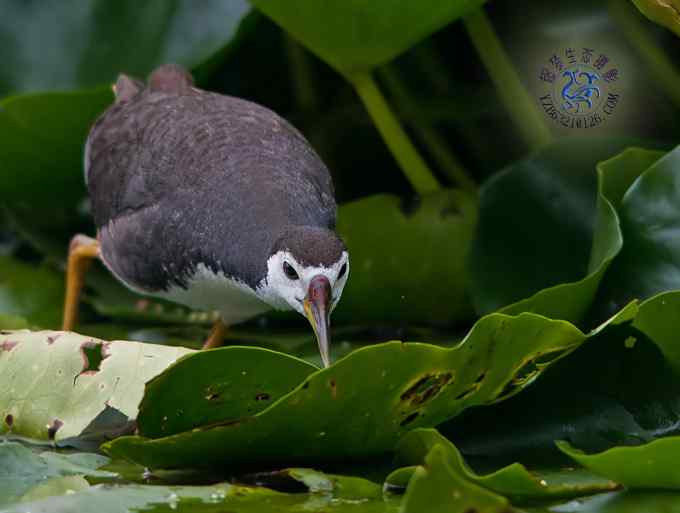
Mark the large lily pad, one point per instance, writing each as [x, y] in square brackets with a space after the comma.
[408, 265]
[59, 386]
[649, 262]
[620, 388]
[38, 39]
[363, 404]
[362, 34]
[547, 232]
[22, 469]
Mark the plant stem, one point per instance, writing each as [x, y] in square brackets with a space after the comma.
[412, 164]
[436, 145]
[301, 75]
[522, 109]
[665, 73]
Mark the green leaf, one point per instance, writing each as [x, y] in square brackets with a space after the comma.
[61, 386]
[547, 232]
[629, 501]
[619, 388]
[133, 498]
[437, 487]
[43, 137]
[22, 469]
[29, 294]
[55, 486]
[236, 381]
[663, 12]
[364, 403]
[513, 481]
[44, 55]
[407, 266]
[652, 465]
[316, 482]
[362, 34]
[649, 262]
[12, 322]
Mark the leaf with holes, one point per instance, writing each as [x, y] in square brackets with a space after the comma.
[360, 406]
[218, 387]
[60, 386]
[623, 389]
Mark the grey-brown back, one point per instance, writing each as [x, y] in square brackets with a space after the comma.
[177, 176]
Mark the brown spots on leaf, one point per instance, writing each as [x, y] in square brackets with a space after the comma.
[305, 386]
[334, 390]
[53, 428]
[211, 394]
[426, 388]
[51, 339]
[262, 396]
[8, 345]
[9, 420]
[142, 305]
[409, 418]
[468, 391]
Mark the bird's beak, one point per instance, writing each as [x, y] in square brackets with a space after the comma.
[317, 309]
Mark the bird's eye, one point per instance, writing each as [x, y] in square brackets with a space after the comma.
[290, 272]
[343, 270]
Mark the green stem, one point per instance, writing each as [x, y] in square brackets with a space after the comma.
[665, 73]
[435, 144]
[412, 164]
[301, 75]
[522, 109]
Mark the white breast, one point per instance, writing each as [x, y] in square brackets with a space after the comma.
[234, 300]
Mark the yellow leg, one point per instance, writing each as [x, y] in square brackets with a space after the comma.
[81, 252]
[216, 337]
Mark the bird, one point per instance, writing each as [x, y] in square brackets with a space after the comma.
[210, 201]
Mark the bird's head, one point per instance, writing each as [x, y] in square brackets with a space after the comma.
[306, 271]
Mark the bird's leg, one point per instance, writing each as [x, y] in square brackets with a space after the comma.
[216, 337]
[81, 252]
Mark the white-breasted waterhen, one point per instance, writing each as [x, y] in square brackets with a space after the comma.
[209, 201]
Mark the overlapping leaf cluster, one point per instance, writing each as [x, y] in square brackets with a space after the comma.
[565, 263]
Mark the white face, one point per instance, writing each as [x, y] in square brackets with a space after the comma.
[287, 281]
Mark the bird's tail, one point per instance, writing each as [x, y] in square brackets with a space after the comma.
[168, 78]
